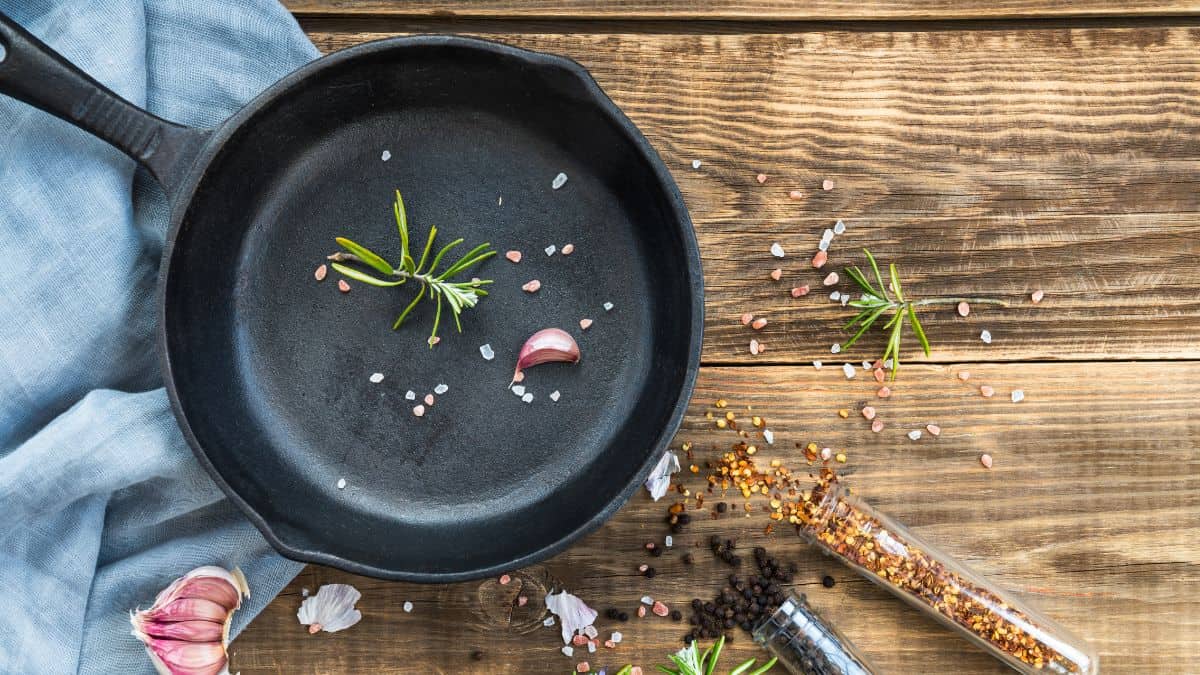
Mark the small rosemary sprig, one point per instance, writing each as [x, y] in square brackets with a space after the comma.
[874, 303]
[689, 661]
[457, 295]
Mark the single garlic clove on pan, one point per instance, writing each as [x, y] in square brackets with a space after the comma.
[186, 630]
[547, 346]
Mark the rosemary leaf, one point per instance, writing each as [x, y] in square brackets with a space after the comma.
[437, 318]
[716, 654]
[874, 266]
[917, 329]
[857, 275]
[411, 305]
[743, 667]
[896, 282]
[438, 258]
[358, 275]
[866, 324]
[366, 255]
[766, 666]
[428, 245]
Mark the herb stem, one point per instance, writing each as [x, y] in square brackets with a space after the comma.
[955, 301]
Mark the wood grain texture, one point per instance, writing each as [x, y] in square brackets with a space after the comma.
[739, 10]
[1091, 513]
[986, 162]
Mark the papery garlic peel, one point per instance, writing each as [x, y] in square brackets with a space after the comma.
[186, 630]
[546, 346]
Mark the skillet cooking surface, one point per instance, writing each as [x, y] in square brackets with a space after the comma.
[271, 368]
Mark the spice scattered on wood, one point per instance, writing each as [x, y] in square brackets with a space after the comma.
[755, 349]
[933, 429]
[408, 607]
[747, 318]
[963, 309]
[849, 371]
[830, 279]
[776, 274]
[884, 392]
[986, 336]
[513, 256]
[914, 435]
[761, 178]
[695, 164]
[964, 375]
[321, 272]
[817, 365]
[1037, 296]
[986, 391]
[1018, 395]
[835, 348]
[795, 194]
[877, 426]
[839, 227]
[777, 250]
[759, 323]
[868, 412]
[800, 291]
[986, 460]
[827, 184]
[819, 259]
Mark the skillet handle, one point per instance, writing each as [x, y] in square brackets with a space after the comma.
[34, 73]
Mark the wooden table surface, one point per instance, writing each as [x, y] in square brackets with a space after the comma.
[994, 148]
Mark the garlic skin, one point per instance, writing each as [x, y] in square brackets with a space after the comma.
[186, 630]
[546, 346]
[331, 609]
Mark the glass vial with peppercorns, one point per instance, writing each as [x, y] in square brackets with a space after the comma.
[806, 645]
[887, 553]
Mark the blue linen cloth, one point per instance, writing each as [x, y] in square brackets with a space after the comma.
[101, 502]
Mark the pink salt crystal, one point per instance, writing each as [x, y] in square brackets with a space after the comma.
[513, 256]
[796, 194]
[800, 291]
[522, 601]
[504, 579]
[758, 324]
[1037, 296]
[878, 373]
[826, 454]
[519, 376]
[868, 412]
[819, 259]
[761, 178]
[776, 274]
[933, 429]
[585, 324]
[319, 275]
[579, 640]
[583, 667]
[987, 391]
[827, 184]
[643, 568]
[877, 426]
[343, 286]
[963, 309]
[661, 609]
[434, 340]
[986, 460]
[755, 347]
[568, 249]
[610, 644]
[831, 279]
[532, 286]
[884, 392]
[428, 399]
[641, 611]
[964, 375]
[747, 318]
[636, 670]
[419, 410]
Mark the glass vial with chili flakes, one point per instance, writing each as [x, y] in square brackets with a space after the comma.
[806, 645]
[887, 553]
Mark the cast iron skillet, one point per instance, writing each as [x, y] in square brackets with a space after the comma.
[267, 369]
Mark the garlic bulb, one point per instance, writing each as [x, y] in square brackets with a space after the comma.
[331, 609]
[186, 630]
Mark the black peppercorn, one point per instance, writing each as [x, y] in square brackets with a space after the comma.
[689, 559]
[623, 616]
[650, 572]
[676, 615]
[828, 581]
[477, 655]
[722, 507]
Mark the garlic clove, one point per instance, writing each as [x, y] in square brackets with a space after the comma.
[187, 608]
[173, 657]
[186, 630]
[331, 609]
[547, 346]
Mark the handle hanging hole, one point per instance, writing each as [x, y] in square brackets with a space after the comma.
[3, 51]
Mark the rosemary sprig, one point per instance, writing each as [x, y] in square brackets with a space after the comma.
[439, 286]
[875, 302]
[689, 661]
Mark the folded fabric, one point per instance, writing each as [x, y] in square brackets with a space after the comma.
[102, 502]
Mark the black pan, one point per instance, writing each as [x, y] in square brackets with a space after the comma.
[268, 369]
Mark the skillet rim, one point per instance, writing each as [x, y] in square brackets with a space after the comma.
[216, 142]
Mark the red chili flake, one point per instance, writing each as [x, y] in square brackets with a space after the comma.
[986, 460]
[759, 323]
[776, 274]
[568, 249]
[878, 372]
[831, 279]
[319, 275]
[877, 426]
[504, 579]
[884, 392]
[800, 291]
[987, 391]
[819, 259]
[747, 318]
[1036, 297]
[585, 324]
[660, 609]
[343, 286]
[761, 178]
[868, 412]
[963, 309]
[827, 184]
[513, 256]
[641, 611]
[796, 194]
[933, 429]
[532, 286]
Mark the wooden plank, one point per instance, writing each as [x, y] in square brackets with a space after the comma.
[988, 163]
[1091, 513]
[745, 10]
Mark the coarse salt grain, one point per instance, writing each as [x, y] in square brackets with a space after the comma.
[827, 235]
[551, 249]
[817, 365]
[777, 250]
[518, 389]
[504, 579]
[987, 391]
[849, 371]
[827, 184]
[617, 637]
[839, 227]
[408, 606]
[610, 644]
[933, 429]
[695, 164]
[884, 392]
[343, 286]
[868, 412]
[319, 275]
[877, 426]
[963, 309]
[429, 399]
[755, 347]
[513, 256]
[419, 410]
[486, 352]
[568, 249]
[761, 178]
[548, 621]
[559, 181]
[915, 434]
[385, 156]
[528, 398]
[826, 454]
[522, 601]
[747, 318]
[759, 323]
[819, 259]
[304, 592]
[964, 375]
[986, 336]
[410, 395]
[554, 395]
[647, 600]
[519, 376]
[441, 389]
[531, 286]
[376, 378]
[341, 484]
[776, 274]
[878, 374]
[769, 436]
[800, 291]
[866, 365]
[1037, 296]
[796, 194]
[986, 461]
[591, 650]
[835, 348]
[582, 667]
[830, 279]
[660, 609]
[835, 296]
[669, 541]
[1018, 395]
[641, 611]
[845, 299]
[585, 324]
[823, 245]
[888, 364]
[568, 650]
[608, 306]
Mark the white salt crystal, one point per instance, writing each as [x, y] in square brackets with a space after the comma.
[608, 306]
[823, 245]
[376, 378]
[835, 296]
[617, 637]
[408, 606]
[500, 201]
[341, 483]
[486, 352]
[839, 227]
[777, 250]
[518, 389]
[591, 632]
[849, 371]
[695, 164]
[386, 155]
[304, 592]
[554, 395]
[817, 365]
[591, 647]
[835, 348]
[647, 600]
[827, 235]
[866, 365]
[528, 398]
[1018, 395]
[915, 434]
[888, 364]
[441, 389]
[551, 249]
[568, 650]
[410, 395]
[986, 336]
[669, 541]
[769, 436]
[548, 621]
[845, 299]
[559, 181]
